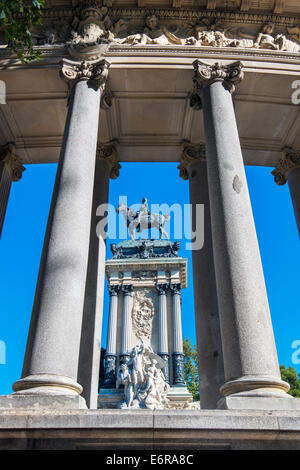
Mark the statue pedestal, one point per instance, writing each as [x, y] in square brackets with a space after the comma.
[180, 398]
[109, 398]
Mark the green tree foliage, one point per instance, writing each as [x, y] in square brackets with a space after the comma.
[292, 378]
[191, 368]
[17, 17]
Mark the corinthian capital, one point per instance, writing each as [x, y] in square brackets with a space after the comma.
[206, 74]
[190, 154]
[95, 72]
[289, 160]
[12, 161]
[108, 153]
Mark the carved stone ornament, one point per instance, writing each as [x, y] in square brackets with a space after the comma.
[290, 159]
[113, 289]
[162, 288]
[206, 74]
[175, 288]
[142, 314]
[96, 26]
[108, 153]
[127, 289]
[144, 382]
[95, 72]
[12, 161]
[190, 154]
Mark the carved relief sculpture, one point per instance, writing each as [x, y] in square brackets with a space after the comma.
[142, 314]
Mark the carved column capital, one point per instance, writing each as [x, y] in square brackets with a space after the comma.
[113, 289]
[190, 154]
[94, 72]
[9, 157]
[162, 288]
[108, 153]
[175, 288]
[127, 289]
[206, 74]
[289, 160]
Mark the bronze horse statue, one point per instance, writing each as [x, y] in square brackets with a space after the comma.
[136, 222]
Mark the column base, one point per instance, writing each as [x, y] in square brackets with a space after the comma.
[109, 380]
[47, 384]
[286, 403]
[37, 401]
[124, 358]
[268, 386]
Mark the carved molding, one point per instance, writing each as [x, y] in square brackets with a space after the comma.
[108, 153]
[94, 72]
[9, 157]
[190, 154]
[289, 160]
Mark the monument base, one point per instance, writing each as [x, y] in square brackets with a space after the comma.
[132, 430]
[109, 398]
[287, 403]
[179, 398]
[35, 401]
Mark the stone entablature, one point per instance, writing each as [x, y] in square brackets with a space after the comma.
[90, 28]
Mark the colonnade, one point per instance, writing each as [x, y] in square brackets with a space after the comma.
[236, 329]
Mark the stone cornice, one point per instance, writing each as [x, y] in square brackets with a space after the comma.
[9, 157]
[108, 153]
[172, 13]
[289, 160]
[190, 154]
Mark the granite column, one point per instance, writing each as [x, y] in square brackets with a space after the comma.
[250, 358]
[52, 353]
[209, 345]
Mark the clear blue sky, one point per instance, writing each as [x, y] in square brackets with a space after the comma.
[22, 239]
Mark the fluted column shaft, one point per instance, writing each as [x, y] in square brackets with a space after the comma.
[250, 359]
[163, 347]
[52, 354]
[111, 343]
[126, 322]
[178, 356]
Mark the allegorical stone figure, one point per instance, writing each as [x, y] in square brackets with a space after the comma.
[143, 380]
